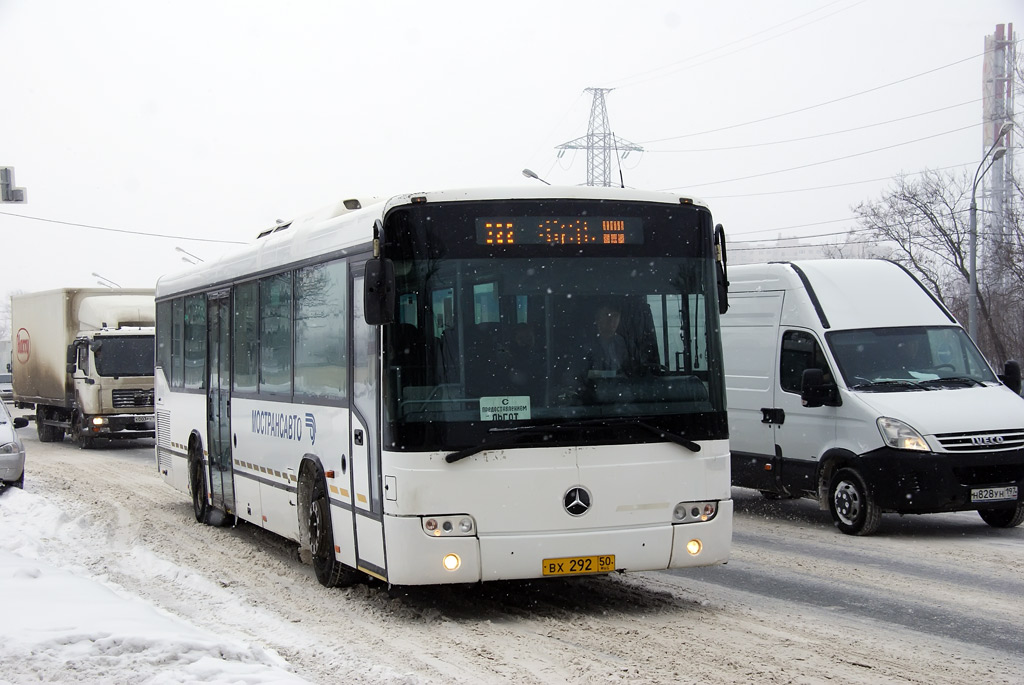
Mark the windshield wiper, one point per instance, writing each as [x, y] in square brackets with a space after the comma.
[966, 380]
[892, 385]
[516, 431]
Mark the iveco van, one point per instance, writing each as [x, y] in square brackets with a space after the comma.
[849, 382]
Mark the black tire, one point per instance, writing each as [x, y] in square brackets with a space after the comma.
[329, 571]
[46, 432]
[197, 487]
[80, 435]
[1003, 518]
[853, 510]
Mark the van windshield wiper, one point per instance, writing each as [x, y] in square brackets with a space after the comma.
[513, 433]
[965, 380]
[889, 385]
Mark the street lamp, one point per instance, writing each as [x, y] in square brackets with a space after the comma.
[530, 174]
[104, 281]
[972, 299]
[189, 255]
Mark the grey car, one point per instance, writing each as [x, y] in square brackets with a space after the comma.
[6, 389]
[12, 451]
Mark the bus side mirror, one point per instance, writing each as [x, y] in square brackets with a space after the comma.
[721, 270]
[379, 291]
[1011, 376]
[815, 392]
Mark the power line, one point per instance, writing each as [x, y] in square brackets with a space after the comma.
[625, 82]
[824, 161]
[121, 230]
[820, 104]
[824, 135]
[828, 187]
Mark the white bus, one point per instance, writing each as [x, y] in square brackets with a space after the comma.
[459, 386]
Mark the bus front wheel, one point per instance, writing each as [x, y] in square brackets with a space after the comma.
[329, 571]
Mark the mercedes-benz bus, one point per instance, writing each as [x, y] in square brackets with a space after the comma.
[459, 386]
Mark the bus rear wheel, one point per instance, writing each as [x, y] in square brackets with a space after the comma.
[197, 486]
[329, 571]
[1003, 518]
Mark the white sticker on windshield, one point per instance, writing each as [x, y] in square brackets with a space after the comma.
[514, 408]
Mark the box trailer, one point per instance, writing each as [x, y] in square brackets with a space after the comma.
[83, 359]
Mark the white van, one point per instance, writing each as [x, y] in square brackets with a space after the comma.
[849, 382]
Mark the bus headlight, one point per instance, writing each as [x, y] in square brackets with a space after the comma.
[694, 547]
[694, 512]
[451, 562]
[900, 435]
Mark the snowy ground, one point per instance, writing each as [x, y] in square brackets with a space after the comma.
[106, 578]
[61, 624]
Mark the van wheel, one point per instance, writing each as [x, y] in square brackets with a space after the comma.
[197, 486]
[329, 571]
[1003, 518]
[852, 508]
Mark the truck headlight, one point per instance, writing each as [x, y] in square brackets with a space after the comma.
[896, 433]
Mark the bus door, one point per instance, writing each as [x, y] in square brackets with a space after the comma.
[218, 407]
[364, 438]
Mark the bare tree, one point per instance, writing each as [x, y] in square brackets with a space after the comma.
[927, 222]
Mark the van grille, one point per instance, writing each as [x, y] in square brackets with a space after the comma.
[982, 441]
[129, 399]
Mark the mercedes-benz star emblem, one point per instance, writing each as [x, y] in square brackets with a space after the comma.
[577, 501]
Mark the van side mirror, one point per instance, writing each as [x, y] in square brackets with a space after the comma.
[815, 392]
[379, 291]
[1011, 376]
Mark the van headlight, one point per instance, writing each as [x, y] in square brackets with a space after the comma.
[897, 434]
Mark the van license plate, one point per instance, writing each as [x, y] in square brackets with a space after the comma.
[993, 494]
[571, 566]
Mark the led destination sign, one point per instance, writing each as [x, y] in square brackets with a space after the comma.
[555, 230]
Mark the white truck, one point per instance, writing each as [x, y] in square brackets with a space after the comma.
[850, 383]
[83, 359]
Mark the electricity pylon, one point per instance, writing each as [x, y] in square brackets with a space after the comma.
[600, 143]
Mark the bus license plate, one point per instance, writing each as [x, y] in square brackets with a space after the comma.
[571, 566]
[994, 494]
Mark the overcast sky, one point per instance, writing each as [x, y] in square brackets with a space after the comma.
[204, 121]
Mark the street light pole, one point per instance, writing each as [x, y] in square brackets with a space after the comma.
[972, 298]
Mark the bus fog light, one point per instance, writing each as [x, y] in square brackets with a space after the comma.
[694, 547]
[451, 562]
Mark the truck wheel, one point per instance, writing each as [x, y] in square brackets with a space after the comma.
[1003, 518]
[852, 508]
[46, 432]
[329, 571]
[197, 486]
[81, 434]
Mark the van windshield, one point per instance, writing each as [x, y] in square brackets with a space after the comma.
[908, 358]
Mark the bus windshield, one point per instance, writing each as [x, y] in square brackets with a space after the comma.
[516, 313]
[895, 359]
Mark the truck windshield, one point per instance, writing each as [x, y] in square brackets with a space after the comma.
[127, 355]
[869, 358]
[549, 326]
